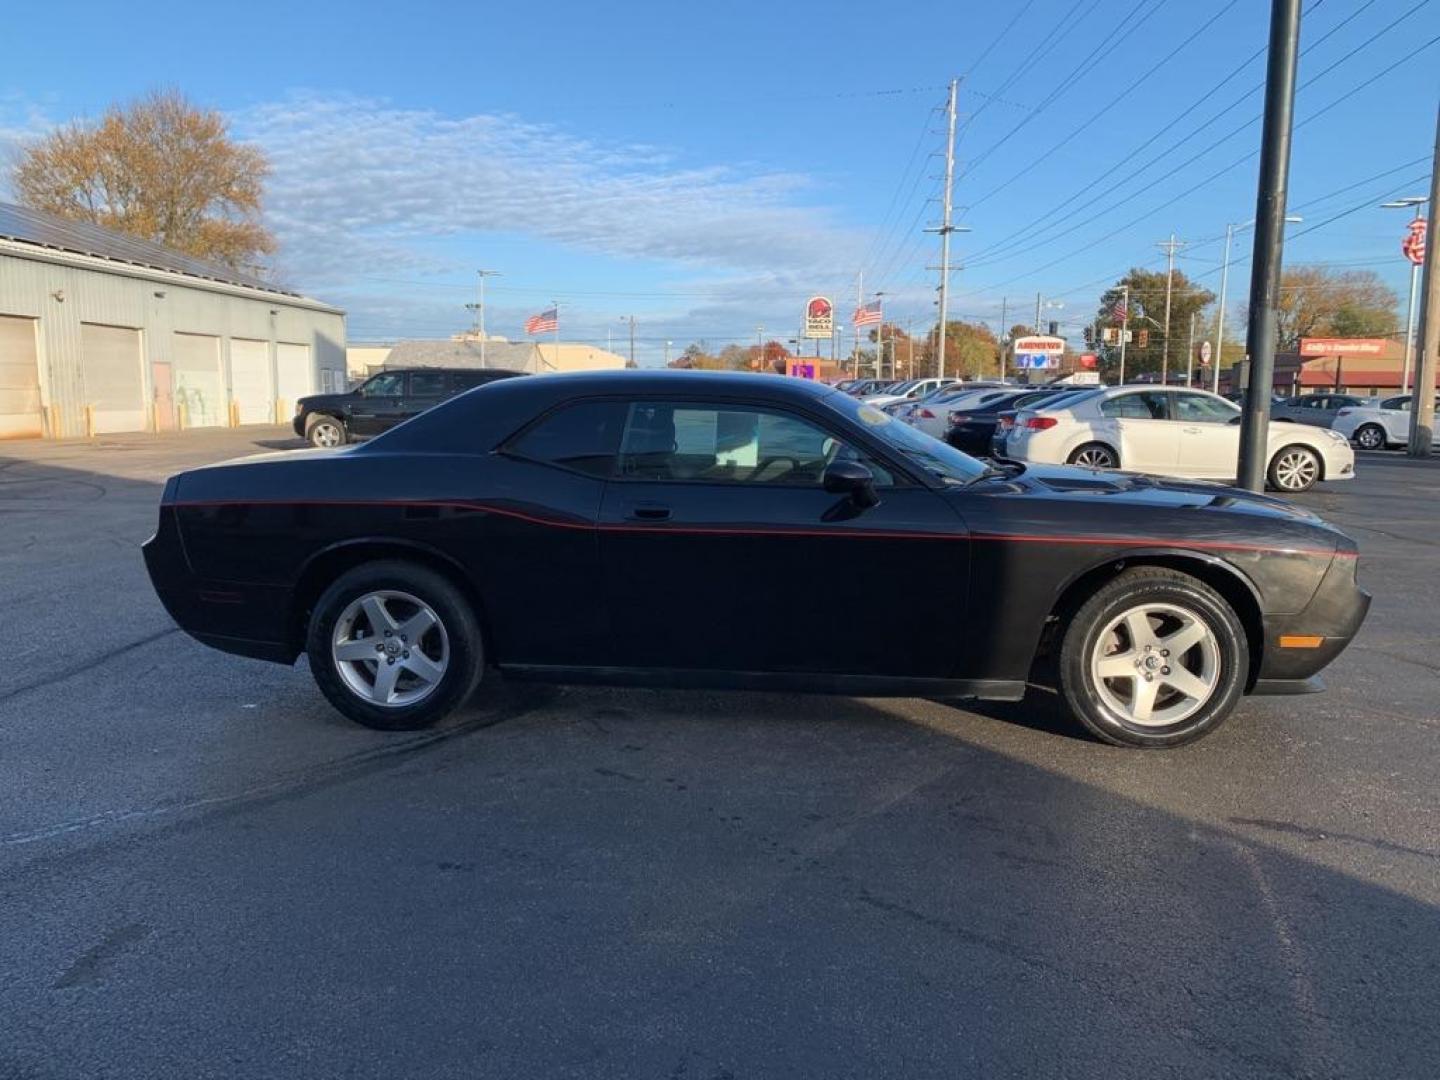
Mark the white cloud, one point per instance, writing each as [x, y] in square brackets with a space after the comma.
[359, 185]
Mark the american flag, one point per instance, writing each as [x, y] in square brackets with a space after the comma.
[545, 323]
[1119, 310]
[867, 314]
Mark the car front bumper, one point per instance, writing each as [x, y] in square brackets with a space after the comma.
[1334, 614]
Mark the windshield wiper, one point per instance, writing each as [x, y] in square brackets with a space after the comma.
[1011, 468]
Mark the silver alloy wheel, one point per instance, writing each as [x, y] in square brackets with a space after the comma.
[1297, 469]
[1156, 664]
[326, 433]
[390, 648]
[1371, 437]
[1095, 457]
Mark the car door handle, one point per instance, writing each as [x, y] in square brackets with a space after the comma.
[649, 512]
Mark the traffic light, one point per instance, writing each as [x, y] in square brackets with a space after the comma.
[1089, 335]
[1142, 338]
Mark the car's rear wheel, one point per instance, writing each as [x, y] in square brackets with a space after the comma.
[1295, 469]
[1370, 437]
[394, 645]
[1095, 456]
[325, 431]
[1155, 658]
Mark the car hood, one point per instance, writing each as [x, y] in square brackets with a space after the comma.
[314, 400]
[1070, 483]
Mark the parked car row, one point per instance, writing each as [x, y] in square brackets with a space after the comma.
[384, 400]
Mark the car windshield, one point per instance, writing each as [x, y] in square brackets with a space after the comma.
[935, 457]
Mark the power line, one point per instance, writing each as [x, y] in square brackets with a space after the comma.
[1035, 227]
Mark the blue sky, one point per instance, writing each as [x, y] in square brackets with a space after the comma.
[707, 167]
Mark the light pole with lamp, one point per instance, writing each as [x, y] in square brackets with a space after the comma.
[1417, 201]
[1230, 231]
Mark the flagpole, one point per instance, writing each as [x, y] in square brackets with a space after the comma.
[557, 335]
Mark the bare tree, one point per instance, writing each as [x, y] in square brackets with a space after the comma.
[1316, 301]
[160, 168]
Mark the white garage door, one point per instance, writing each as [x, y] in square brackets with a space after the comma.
[250, 386]
[296, 376]
[199, 390]
[110, 365]
[19, 380]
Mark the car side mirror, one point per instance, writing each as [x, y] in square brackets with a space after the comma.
[852, 479]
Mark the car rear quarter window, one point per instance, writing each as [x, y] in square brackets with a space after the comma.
[428, 384]
[582, 437]
[1143, 405]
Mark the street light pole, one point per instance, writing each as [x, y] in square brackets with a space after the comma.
[1220, 313]
[1124, 328]
[1416, 201]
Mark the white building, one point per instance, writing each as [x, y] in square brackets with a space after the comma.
[101, 332]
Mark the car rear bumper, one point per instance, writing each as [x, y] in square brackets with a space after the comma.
[248, 620]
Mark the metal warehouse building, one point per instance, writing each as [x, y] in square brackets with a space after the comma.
[100, 332]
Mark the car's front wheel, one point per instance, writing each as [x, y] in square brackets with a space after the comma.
[1155, 658]
[325, 431]
[394, 645]
[1295, 469]
[1370, 437]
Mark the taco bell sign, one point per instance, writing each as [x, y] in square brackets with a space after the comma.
[819, 317]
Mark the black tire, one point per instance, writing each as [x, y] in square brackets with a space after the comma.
[1094, 455]
[1294, 469]
[325, 431]
[1226, 655]
[1371, 437]
[463, 651]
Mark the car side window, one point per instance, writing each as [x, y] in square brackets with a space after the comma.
[1396, 402]
[386, 384]
[427, 383]
[582, 437]
[1144, 405]
[720, 444]
[1197, 408]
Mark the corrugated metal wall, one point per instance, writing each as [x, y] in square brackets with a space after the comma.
[63, 296]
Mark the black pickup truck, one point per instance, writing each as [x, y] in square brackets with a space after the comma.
[384, 400]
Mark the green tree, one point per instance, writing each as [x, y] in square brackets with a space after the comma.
[1147, 314]
[159, 168]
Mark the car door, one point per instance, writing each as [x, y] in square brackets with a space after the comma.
[1139, 422]
[380, 404]
[1209, 441]
[722, 551]
[425, 390]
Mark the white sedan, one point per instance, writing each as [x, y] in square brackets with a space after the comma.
[1172, 432]
[1375, 427]
[911, 389]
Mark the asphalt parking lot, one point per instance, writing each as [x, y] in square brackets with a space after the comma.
[205, 871]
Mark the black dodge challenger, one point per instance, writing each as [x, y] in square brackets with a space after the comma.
[704, 529]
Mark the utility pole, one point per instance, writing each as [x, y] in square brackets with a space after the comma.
[945, 227]
[910, 348]
[1190, 348]
[1269, 238]
[1169, 246]
[1422, 405]
[667, 352]
[1124, 328]
[760, 345]
[1037, 314]
[631, 318]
